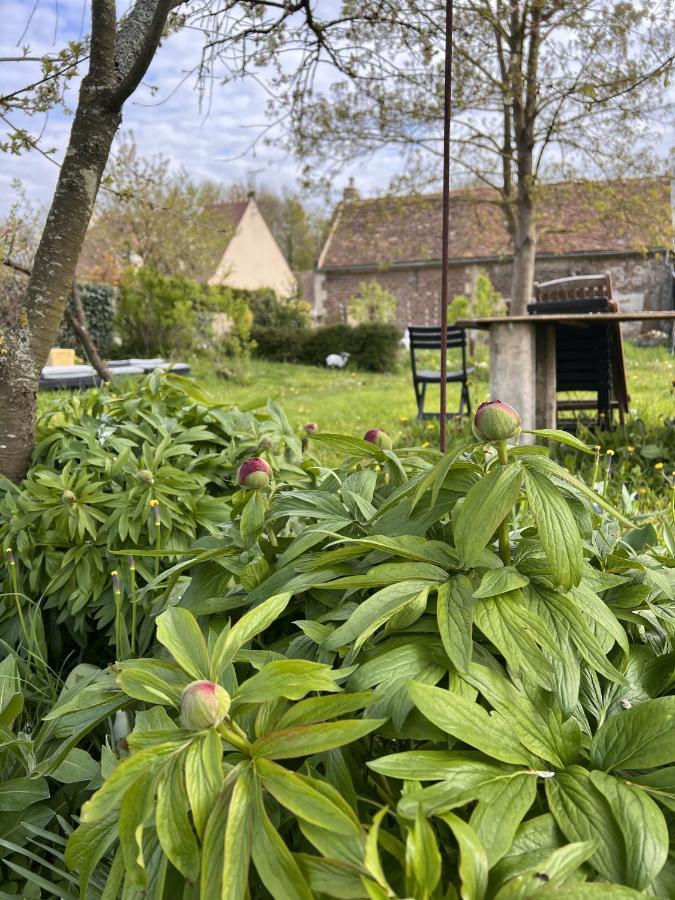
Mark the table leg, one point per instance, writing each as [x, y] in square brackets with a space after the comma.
[545, 412]
[513, 369]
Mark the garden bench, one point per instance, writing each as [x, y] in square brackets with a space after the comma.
[426, 337]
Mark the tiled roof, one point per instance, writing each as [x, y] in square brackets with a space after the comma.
[232, 213]
[573, 217]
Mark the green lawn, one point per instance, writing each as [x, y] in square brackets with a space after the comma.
[352, 402]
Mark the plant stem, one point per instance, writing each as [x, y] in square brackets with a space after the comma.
[134, 601]
[504, 543]
[15, 588]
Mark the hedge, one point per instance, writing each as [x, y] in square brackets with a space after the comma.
[98, 303]
[372, 347]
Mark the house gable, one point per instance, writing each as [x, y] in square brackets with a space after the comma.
[252, 258]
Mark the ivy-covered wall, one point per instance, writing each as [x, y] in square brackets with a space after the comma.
[98, 302]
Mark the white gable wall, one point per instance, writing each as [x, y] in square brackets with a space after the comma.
[253, 259]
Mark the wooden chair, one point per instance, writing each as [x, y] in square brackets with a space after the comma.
[588, 357]
[425, 337]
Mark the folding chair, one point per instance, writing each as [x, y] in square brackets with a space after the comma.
[425, 337]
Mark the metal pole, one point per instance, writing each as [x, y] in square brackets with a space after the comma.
[446, 222]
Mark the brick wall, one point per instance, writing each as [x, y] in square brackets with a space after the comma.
[639, 283]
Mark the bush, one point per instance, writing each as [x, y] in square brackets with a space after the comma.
[269, 311]
[372, 348]
[412, 675]
[372, 304]
[99, 308]
[161, 315]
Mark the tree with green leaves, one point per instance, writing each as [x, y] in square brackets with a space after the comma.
[540, 89]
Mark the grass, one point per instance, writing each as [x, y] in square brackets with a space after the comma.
[352, 402]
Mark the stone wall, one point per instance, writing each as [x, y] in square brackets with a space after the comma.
[639, 282]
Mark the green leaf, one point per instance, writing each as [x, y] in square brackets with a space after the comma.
[423, 858]
[374, 612]
[249, 625]
[299, 795]
[454, 609]
[252, 518]
[469, 722]
[76, 767]
[274, 862]
[500, 810]
[542, 734]
[142, 764]
[238, 838]
[557, 529]
[484, 507]
[86, 847]
[19, 793]
[289, 678]
[642, 737]
[630, 829]
[473, 862]
[178, 631]
[137, 807]
[204, 776]
[305, 740]
[548, 874]
[500, 581]
[213, 842]
[174, 832]
[344, 443]
[320, 709]
[153, 680]
[563, 437]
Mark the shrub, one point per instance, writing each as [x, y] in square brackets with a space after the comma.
[269, 311]
[99, 308]
[160, 315]
[372, 305]
[372, 348]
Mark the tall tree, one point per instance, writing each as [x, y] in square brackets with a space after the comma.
[154, 215]
[540, 87]
[237, 33]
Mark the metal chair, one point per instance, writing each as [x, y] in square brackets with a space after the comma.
[425, 337]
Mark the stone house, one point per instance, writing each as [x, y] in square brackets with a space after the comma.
[625, 228]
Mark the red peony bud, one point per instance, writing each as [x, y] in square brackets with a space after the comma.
[68, 497]
[203, 704]
[265, 442]
[379, 438]
[254, 473]
[311, 428]
[496, 421]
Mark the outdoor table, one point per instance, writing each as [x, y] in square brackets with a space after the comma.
[522, 357]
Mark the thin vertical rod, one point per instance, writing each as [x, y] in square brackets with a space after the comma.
[446, 223]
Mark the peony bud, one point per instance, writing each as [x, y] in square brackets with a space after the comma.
[379, 438]
[68, 497]
[203, 704]
[145, 476]
[265, 442]
[311, 428]
[496, 421]
[254, 473]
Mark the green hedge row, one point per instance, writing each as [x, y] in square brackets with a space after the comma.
[98, 303]
[373, 348]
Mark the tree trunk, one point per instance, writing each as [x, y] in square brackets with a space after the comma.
[24, 347]
[524, 252]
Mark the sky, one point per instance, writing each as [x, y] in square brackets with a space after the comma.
[214, 143]
[165, 113]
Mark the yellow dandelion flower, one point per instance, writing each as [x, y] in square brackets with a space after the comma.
[610, 453]
[658, 466]
[642, 490]
[630, 449]
[426, 444]
[430, 427]
[403, 419]
[378, 468]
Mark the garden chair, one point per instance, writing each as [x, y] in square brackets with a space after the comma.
[588, 357]
[425, 337]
